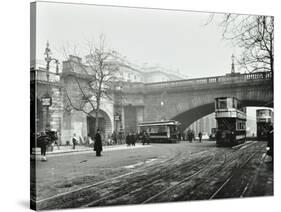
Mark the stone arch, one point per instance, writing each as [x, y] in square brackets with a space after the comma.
[188, 117]
[105, 123]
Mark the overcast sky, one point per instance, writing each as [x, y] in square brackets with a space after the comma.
[176, 40]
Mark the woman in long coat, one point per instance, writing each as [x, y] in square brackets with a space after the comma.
[98, 144]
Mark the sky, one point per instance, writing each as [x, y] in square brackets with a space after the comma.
[175, 40]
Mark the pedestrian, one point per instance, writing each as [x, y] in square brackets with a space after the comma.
[146, 138]
[143, 138]
[192, 135]
[109, 139]
[114, 137]
[74, 141]
[200, 136]
[179, 136]
[98, 143]
[133, 139]
[43, 142]
[119, 138]
[87, 139]
[128, 139]
[189, 135]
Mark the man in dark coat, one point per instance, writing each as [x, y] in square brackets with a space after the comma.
[98, 144]
[200, 136]
[74, 141]
[127, 139]
[143, 138]
[133, 139]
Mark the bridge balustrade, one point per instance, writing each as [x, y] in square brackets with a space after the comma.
[129, 87]
[210, 80]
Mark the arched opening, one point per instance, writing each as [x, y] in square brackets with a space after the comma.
[105, 125]
[188, 117]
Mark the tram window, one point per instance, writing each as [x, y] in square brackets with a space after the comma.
[222, 104]
[240, 125]
[157, 129]
[229, 102]
[173, 129]
[239, 106]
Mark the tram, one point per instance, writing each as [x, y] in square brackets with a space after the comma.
[264, 121]
[161, 131]
[231, 121]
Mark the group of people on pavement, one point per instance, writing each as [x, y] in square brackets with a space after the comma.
[190, 135]
[131, 139]
[44, 140]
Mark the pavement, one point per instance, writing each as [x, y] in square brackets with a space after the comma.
[62, 150]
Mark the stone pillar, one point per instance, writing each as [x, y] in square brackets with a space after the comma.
[130, 118]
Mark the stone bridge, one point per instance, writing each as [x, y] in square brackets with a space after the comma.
[192, 99]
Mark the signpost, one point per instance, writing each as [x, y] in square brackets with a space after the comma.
[46, 101]
[117, 117]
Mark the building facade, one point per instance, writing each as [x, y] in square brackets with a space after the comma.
[204, 125]
[117, 113]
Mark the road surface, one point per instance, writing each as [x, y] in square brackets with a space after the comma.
[158, 173]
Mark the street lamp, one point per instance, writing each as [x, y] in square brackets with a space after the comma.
[232, 64]
[162, 113]
[162, 103]
[47, 99]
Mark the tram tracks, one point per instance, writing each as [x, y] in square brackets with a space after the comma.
[151, 183]
[183, 189]
[82, 191]
[231, 177]
[236, 176]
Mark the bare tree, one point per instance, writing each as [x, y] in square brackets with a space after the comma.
[255, 36]
[93, 79]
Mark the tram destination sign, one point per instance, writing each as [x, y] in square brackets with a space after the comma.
[46, 101]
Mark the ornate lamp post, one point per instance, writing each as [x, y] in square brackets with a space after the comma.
[118, 114]
[47, 99]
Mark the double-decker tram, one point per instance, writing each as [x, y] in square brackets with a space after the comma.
[264, 121]
[231, 121]
[161, 131]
